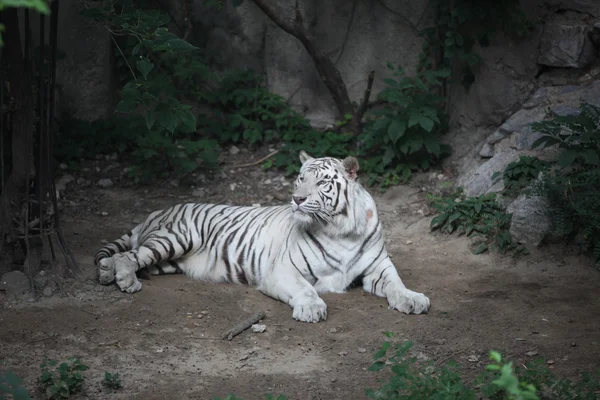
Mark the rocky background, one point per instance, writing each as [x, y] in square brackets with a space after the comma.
[555, 67]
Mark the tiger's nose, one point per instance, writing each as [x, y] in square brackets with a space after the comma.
[299, 200]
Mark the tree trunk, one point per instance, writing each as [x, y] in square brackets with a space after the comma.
[20, 96]
[327, 70]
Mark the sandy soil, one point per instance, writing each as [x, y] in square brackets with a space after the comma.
[163, 339]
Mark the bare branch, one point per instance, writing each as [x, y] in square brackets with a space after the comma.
[365, 102]
[326, 69]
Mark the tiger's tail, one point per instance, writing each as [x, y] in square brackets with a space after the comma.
[120, 245]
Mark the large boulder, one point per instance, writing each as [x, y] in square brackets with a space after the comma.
[480, 182]
[566, 45]
[530, 220]
[14, 283]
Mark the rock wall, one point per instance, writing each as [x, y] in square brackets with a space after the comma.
[360, 36]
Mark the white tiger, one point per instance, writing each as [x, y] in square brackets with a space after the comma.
[329, 238]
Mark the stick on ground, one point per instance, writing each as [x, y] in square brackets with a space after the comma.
[243, 325]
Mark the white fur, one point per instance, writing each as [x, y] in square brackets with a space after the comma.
[291, 253]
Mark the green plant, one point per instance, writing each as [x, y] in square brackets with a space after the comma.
[63, 381]
[153, 64]
[518, 174]
[405, 134]
[479, 217]
[572, 186]
[412, 381]
[507, 382]
[12, 385]
[112, 380]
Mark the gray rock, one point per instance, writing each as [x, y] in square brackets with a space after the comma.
[526, 138]
[496, 137]
[14, 283]
[530, 220]
[40, 280]
[566, 45]
[105, 183]
[487, 151]
[479, 181]
[48, 291]
[522, 120]
[233, 150]
[564, 109]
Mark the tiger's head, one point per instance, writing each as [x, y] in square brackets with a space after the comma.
[321, 190]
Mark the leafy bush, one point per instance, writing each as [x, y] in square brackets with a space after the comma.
[572, 186]
[519, 174]
[64, 381]
[480, 217]
[406, 133]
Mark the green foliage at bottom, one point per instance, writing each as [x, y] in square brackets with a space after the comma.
[11, 387]
[63, 381]
[408, 379]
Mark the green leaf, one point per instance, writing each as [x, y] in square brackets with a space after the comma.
[389, 334]
[388, 156]
[567, 157]
[482, 247]
[590, 156]
[177, 44]
[377, 366]
[382, 352]
[144, 66]
[495, 356]
[150, 119]
[381, 123]
[396, 129]
[167, 119]
[237, 3]
[126, 106]
[188, 120]
[478, 207]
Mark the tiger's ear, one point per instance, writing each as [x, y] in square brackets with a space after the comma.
[304, 157]
[351, 166]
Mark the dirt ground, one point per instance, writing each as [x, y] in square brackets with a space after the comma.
[164, 341]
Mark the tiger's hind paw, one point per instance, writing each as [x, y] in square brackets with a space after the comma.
[106, 271]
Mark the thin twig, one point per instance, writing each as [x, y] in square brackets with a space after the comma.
[243, 325]
[443, 360]
[89, 312]
[41, 340]
[347, 32]
[255, 162]
[121, 51]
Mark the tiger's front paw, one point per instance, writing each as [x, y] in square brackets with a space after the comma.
[106, 271]
[310, 310]
[409, 302]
